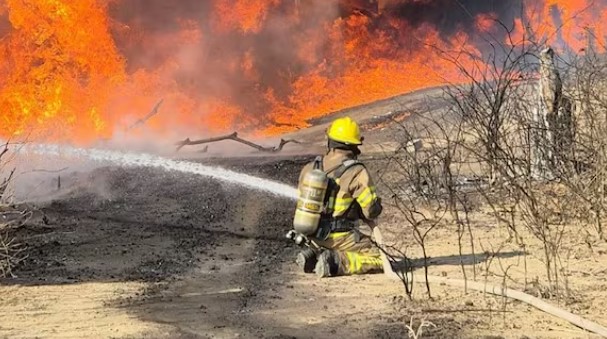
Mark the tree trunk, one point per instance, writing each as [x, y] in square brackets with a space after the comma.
[552, 130]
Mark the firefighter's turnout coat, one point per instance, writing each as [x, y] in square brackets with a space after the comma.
[356, 200]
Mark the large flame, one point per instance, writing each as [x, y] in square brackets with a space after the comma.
[59, 68]
[83, 70]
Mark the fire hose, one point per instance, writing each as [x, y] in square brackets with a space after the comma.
[538, 303]
[499, 291]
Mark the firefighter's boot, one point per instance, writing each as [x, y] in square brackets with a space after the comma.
[327, 264]
[306, 260]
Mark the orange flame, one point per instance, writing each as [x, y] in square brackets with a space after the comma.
[55, 81]
[245, 15]
[67, 71]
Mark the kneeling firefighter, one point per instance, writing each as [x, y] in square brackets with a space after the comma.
[336, 196]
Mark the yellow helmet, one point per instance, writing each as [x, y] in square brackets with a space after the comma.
[345, 130]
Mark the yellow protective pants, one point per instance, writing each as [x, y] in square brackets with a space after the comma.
[357, 253]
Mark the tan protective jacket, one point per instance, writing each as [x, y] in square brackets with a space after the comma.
[355, 185]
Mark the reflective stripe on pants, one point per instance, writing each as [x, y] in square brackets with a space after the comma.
[357, 253]
[360, 263]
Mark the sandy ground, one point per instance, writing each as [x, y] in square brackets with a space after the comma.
[153, 258]
[141, 253]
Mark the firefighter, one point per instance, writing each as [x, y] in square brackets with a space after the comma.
[343, 249]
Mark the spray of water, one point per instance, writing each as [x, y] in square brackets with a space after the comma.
[148, 160]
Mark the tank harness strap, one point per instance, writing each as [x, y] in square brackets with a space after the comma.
[318, 163]
[345, 166]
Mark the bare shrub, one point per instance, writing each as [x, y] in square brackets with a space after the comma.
[11, 252]
[497, 133]
[546, 164]
[585, 177]
[425, 182]
[499, 112]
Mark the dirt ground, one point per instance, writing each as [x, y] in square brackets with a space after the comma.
[139, 253]
[142, 253]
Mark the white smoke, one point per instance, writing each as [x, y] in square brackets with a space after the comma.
[126, 159]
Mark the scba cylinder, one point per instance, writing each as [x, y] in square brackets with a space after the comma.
[310, 202]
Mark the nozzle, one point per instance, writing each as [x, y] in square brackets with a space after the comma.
[291, 235]
[297, 238]
[300, 239]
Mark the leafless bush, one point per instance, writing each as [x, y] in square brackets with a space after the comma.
[585, 177]
[511, 133]
[498, 109]
[426, 181]
[11, 252]
[499, 133]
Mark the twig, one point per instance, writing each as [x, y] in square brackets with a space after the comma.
[45, 171]
[417, 334]
[234, 136]
[4, 150]
[10, 256]
[5, 182]
[153, 112]
[10, 251]
[388, 260]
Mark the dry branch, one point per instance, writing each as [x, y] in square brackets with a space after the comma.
[5, 183]
[234, 136]
[46, 171]
[4, 150]
[11, 253]
[153, 112]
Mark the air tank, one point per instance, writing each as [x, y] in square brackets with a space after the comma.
[310, 202]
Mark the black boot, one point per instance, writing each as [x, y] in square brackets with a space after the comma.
[327, 265]
[306, 260]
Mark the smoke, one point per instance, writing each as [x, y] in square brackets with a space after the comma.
[451, 17]
[42, 178]
[242, 57]
[228, 59]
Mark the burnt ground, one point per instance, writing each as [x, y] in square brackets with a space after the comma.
[116, 214]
